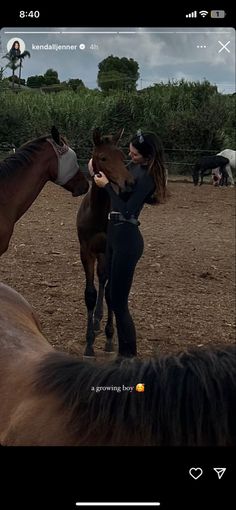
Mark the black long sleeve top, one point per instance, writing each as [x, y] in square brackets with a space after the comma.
[130, 203]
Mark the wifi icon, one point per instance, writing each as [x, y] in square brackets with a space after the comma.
[203, 13]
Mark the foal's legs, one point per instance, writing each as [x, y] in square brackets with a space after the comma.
[98, 314]
[101, 274]
[88, 261]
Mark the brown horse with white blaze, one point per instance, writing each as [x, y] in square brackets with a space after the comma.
[24, 174]
[92, 221]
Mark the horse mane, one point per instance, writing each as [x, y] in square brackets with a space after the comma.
[189, 398]
[23, 156]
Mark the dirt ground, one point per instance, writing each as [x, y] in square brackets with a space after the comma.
[183, 292]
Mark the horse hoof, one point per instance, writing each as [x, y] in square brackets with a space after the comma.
[89, 352]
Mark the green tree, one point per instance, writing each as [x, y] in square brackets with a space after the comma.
[51, 77]
[18, 80]
[118, 74]
[36, 81]
[15, 62]
[75, 84]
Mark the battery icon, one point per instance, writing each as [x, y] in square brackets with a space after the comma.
[218, 14]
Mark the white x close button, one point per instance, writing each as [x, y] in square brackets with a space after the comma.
[224, 46]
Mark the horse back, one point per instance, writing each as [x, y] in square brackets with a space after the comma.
[20, 331]
[230, 155]
[209, 162]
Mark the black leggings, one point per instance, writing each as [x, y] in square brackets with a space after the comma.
[124, 249]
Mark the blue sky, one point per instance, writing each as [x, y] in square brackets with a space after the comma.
[163, 54]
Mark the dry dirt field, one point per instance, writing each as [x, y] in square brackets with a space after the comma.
[183, 292]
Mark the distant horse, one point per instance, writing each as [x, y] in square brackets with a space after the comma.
[49, 398]
[92, 220]
[24, 174]
[231, 156]
[206, 164]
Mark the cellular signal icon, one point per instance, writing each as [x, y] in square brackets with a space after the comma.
[191, 15]
[203, 13]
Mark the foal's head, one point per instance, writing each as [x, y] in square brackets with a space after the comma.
[109, 159]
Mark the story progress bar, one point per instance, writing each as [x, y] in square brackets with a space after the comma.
[152, 504]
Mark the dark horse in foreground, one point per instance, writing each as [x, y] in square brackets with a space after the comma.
[92, 220]
[51, 398]
[24, 174]
[206, 164]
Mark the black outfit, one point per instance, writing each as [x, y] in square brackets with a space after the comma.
[124, 249]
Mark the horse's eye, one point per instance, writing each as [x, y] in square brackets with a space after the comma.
[103, 159]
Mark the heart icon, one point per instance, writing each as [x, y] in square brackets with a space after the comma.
[196, 472]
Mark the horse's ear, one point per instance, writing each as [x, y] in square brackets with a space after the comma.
[117, 137]
[55, 135]
[97, 136]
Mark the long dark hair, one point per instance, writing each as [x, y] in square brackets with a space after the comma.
[189, 399]
[15, 52]
[149, 145]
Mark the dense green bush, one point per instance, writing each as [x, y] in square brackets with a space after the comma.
[193, 119]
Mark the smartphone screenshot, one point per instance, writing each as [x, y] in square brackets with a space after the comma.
[117, 243]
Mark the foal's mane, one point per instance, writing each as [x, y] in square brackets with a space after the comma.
[24, 156]
[189, 399]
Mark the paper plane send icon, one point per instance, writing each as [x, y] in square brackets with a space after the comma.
[219, 472]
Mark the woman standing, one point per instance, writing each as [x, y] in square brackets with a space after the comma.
[124, 240]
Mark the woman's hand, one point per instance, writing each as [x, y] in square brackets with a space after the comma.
[100, 179]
